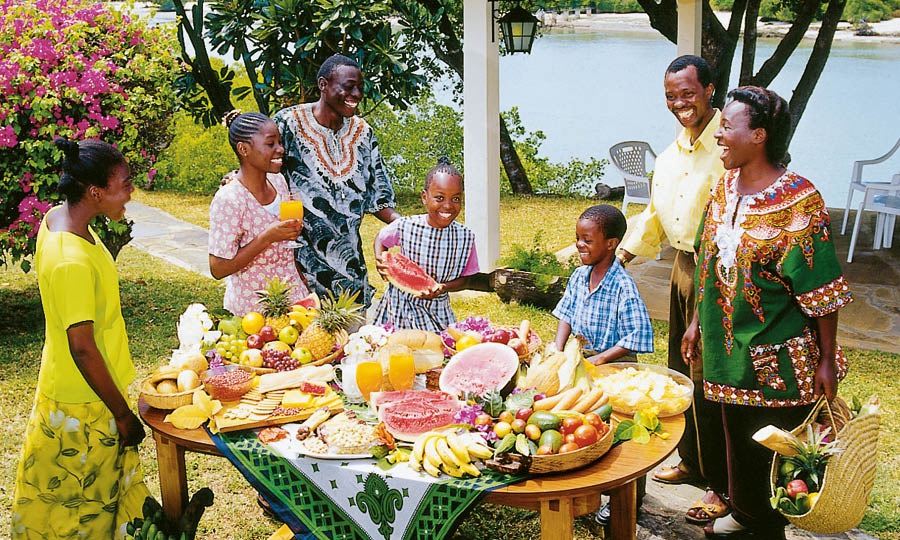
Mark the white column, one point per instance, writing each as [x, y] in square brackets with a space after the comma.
[481, 129]
[690, 26]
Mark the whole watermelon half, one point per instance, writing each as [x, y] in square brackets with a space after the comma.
[407, 275]
[480, 369]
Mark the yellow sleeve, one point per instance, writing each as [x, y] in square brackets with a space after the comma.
[645, 233]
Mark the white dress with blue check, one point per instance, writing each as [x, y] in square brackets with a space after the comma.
[443, 254]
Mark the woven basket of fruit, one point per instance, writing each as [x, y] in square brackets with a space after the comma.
[164, 400]
[506, 334]
[553, 463]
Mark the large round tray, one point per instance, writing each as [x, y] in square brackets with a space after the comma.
[639, 397]
[572, 460]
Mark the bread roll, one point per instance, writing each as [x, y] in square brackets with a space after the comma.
[417, 340]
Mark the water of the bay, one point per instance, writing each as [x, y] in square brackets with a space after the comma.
[588, 91]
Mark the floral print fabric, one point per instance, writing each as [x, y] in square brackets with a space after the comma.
[235, 219]
[74, 479]
[766, 268]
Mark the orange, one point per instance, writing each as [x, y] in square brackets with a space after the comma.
[252, 322]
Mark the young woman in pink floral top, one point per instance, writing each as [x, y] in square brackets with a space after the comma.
[246, 238]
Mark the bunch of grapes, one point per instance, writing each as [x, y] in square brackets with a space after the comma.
[230, 347]
[279, 360]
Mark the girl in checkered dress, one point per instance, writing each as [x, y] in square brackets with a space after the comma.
[443, 248]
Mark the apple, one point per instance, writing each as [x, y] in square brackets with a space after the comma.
[498, 336]
[230, 325]
[289, 335]
[252, 358]
[518, 345]
[255, 341]
[302, 355]
[796, 486]
[524, 413]
[267, 333]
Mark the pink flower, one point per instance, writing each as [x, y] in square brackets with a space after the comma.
[8, 137]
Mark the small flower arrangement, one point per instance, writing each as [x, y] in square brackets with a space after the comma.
[367, 340]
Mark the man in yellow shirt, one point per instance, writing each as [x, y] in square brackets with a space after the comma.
[684, 175]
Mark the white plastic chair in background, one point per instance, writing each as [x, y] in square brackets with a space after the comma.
[631, 159]
[857, 183]
[885, 201]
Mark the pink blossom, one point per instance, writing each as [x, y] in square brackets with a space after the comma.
[8, 137]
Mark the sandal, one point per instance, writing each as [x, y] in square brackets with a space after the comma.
[703, 512]
[726, 527]
[267, 510]
[676, 474]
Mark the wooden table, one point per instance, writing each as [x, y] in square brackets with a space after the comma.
[558, 497]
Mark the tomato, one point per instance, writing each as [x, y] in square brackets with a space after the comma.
[796, 486]
[532, 432]
[524, 414]
[568, 447]
[518, 425]
[483, 419]
[586, 436]
[592, 419]
[570, 424]
[507, 417]
[570, 438]
[502, 428]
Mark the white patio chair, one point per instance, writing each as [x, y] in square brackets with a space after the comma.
[885, 201]
[857, 183]
[630, 158]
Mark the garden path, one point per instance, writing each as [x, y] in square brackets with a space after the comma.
[871, 322]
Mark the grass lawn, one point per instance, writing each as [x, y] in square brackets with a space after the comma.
[154, 293]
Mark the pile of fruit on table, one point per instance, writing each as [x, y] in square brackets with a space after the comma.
[476, 395]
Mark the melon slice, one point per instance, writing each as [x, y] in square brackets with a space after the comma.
[407, 275]
[480, 369]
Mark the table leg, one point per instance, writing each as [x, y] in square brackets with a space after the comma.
[623, 518]
[557, 519]
[172, 476]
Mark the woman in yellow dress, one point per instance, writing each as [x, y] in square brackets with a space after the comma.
[79, 474]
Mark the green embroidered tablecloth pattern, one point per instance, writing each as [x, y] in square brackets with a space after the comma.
[354, 499]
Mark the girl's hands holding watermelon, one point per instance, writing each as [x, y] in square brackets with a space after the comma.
[434, 292]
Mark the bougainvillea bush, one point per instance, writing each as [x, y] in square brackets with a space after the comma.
[77, 69]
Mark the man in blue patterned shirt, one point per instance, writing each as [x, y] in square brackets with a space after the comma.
[601, 301]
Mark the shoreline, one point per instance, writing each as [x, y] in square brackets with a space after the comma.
[887, 31]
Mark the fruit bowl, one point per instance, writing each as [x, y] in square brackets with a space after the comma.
[572, 460]
[226, 383]
[633, 387]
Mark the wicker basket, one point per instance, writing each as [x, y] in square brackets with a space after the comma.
[849, 474]
[534, 344]
[572, 460]
[166, 402]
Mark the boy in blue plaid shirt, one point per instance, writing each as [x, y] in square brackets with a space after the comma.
[601, 301]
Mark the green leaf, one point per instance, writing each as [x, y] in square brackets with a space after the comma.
[109, 441]
[87, 518]
[89, 480]
[48, 498]
[54, 483]
[624, 431]
[69, 452]
[505, 444]
[74, 502]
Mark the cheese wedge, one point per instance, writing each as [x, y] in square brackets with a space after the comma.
[296, 399]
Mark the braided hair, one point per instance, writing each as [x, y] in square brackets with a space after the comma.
[86, 163]
[443, 166]
[243, 126]
[608, 219]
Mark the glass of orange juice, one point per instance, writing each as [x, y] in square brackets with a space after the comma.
[401, 371]
[368, 378]
[292, 208]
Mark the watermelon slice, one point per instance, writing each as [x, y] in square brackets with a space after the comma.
[407, 275]
[480, 369]
[310, 301]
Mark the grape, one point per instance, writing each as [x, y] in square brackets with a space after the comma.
[279, 360]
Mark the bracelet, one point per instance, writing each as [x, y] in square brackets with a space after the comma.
[623, 261]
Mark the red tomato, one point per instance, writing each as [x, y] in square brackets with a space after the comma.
[532, 432]
[586, 436]
[570, 438]
[568, 447]
[507, 417]
[518, 425]
[592, 419]
[524, 414]
[569, 425]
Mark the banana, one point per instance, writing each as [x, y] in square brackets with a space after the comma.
[458, 447]
[478, 450]
[419, 445]
[455, 472]
[443, 450]
[414, 463]
[431, 453]
[470, 469]
[431, 469]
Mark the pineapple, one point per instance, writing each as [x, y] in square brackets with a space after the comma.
[812, 456]
[334, 315]
[275, 300]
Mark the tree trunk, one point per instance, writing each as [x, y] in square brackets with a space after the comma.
[748, 56]
[518, 180]
[218, 93]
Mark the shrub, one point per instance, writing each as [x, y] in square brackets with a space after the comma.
[196, 160]
[869, 10]
[75, 69]
[538, 260]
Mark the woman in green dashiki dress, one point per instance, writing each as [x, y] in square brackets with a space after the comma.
[333, 161]
[768, 289]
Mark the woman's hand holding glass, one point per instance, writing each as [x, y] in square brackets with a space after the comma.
[291, 210]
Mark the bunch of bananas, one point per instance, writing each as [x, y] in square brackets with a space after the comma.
[302, 316]
[450, 452]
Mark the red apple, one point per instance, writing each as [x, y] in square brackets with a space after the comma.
[255, 341]
[524, 414]
[795, 487]
[267, 333]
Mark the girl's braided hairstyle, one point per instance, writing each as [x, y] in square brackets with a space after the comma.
[243, 126]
